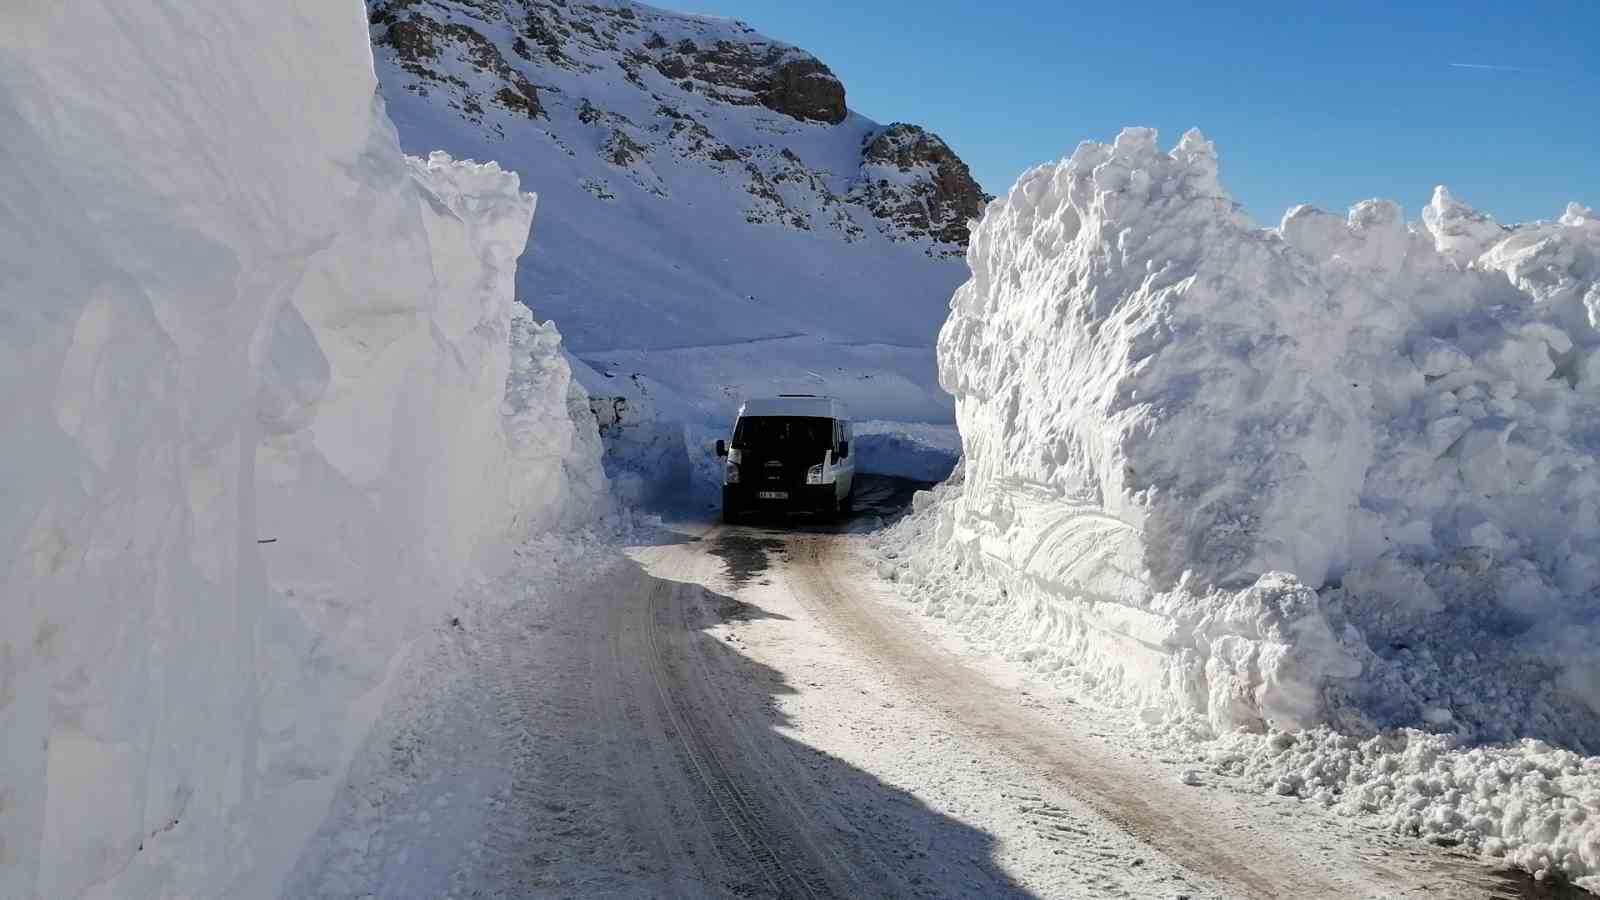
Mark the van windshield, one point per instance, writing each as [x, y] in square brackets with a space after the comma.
[786, 432]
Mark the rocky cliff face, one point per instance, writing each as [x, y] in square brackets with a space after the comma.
[649, 96]
[912, 178]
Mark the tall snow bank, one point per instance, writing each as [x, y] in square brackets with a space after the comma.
[266, 404]
[1240, 471]
[1341, 473]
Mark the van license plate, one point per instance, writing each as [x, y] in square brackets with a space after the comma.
[773, 495]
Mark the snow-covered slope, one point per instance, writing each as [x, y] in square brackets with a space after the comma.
[1342, 471]
[266, 404]
[702, 187]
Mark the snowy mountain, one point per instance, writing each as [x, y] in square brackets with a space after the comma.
[700, 187]
[693, 147]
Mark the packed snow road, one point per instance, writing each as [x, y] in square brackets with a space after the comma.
[735, 711]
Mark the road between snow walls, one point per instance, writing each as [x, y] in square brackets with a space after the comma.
[1317, 503]
[706, 710]
[1314, 506]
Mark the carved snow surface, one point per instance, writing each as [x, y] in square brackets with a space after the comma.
[268, 406]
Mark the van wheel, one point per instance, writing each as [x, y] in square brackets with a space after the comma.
[848, 506]
[831, 509]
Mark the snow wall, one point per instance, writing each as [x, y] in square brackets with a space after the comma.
[266, 405]
[1345, 467]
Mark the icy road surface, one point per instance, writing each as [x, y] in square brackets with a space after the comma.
[738, 712]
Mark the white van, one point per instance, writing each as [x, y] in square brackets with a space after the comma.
[789, 452]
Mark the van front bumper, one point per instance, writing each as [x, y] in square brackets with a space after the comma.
[739, 498]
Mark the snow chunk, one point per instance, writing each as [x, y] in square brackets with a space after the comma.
[1460, 233]
[1532, 805]
[1435, 358]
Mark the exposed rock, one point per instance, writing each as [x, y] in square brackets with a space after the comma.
[598, 188]
[807, 89]
[673, 67]
[780, 78]
[421, 42]
[912, 178]
[804, 199]
[520, 96]
[623, 150]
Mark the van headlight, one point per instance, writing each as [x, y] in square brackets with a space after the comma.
[814, 475]
[730, 473]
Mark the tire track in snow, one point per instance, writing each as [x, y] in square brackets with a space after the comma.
[626, 737]
[1208, 833]
[746, 818]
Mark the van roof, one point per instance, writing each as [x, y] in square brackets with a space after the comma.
[794, 405]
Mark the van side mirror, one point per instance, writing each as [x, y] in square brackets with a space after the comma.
[722, 448]
[844, 449]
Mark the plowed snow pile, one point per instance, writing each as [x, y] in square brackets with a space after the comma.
[266, 405]
[1338, 473]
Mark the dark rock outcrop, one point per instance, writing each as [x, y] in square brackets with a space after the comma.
[782, 79]
[912, 177]
[807, 90]
[419, 42]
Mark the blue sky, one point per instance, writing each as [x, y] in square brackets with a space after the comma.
[1322, 103]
